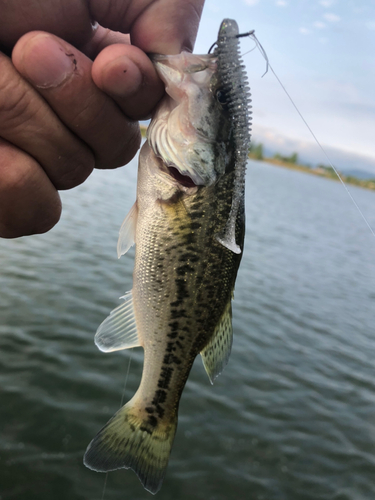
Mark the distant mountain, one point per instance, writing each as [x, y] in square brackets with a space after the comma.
[347, 162]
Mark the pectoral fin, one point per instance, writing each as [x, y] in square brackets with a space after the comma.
[127, 231]
[119, 330]
[216, 353]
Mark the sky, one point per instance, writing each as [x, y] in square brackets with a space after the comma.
[323, 51]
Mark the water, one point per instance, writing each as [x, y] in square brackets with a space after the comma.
[293, 415]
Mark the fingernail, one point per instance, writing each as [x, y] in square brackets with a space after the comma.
[47, 63]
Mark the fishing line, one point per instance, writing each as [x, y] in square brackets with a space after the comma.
[126, 378]
[251, 34]
[104, 486]
[121, 403]
[248, 52]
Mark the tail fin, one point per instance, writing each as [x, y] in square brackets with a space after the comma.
[132, 439]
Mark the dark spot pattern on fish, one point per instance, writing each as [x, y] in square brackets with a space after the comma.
[178, 313]
[189, 238]
[182, 270]
[146, 429]
[153, 421]
[176, 303]
[170, 347]
[182, 291]
[165, 377]
[160, 397]
[132, 427]
[172, 335]
[189, 257]
[171, 359]
[157, 402]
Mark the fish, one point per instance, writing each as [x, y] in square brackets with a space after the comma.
[188, 226]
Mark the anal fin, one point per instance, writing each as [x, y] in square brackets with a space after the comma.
[216, 353]
[119, 330]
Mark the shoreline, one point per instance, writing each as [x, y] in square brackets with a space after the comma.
[321, 172]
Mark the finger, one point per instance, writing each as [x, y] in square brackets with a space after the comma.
[70, 19]
[127, 74]
[29, 203]
[158, 26]
[79, 104]
[27, 122]
[101, 38]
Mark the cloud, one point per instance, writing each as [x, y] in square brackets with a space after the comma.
[281, 3]
[343, 91]
[319, 25]
[327, 3]
[251, 2]
[370, 25]
[304, 31]
[331, 17]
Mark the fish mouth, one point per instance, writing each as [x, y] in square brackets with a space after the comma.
[172, 68]
[166, 67]
[158, 57]
[184, 180]
[175, 138]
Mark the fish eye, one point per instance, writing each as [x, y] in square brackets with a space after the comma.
[221, 97]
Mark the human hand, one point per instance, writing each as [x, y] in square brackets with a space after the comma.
[61, 115]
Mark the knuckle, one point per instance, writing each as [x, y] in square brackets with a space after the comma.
[37, 216]
[131, 147]
[14, 102]
[75, 171]
[29, 204]
[124, 152]
[35, 222]
[46, 219]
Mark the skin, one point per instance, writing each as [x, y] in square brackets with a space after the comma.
[71, 90]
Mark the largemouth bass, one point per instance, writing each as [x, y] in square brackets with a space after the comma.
[188, 227]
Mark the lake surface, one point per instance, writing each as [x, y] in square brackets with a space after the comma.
[292, 417]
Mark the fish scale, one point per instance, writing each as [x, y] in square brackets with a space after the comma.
[184, 272]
